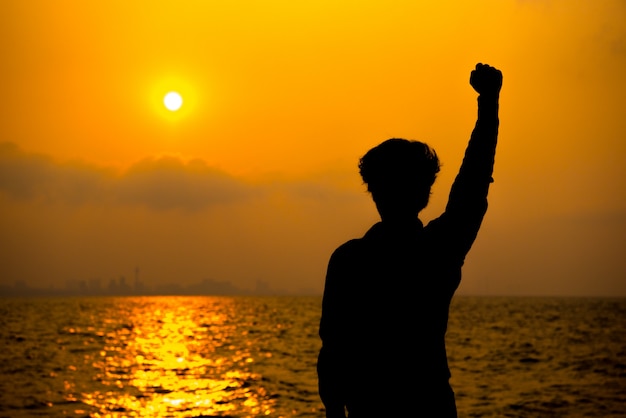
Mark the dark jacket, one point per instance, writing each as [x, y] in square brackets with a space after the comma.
[387, 296]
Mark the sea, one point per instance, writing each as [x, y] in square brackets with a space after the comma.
[187, 356]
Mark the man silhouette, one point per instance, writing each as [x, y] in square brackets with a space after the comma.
[387, 294]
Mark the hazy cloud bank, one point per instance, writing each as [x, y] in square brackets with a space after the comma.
[158, 183]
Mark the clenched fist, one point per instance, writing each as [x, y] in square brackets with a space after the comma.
[486, 80]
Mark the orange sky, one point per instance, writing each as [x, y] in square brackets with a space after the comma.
[255, 177]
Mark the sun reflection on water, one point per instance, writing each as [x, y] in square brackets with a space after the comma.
[179, 360]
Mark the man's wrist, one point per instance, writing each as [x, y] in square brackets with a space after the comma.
[488, 98]
[488, 107]
[487, 102]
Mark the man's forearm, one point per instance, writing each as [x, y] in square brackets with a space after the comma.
[469, 190]
[480, 153]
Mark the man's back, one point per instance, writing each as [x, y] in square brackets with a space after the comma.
[395, 293]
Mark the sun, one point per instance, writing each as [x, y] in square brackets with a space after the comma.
[173, 101]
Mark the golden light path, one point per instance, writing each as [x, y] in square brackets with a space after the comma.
[172, 363]
[186, 357]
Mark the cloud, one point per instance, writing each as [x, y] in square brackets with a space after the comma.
[29, 176]
[169, 182]
[157, 183]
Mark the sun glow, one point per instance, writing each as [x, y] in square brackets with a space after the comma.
[173, 98]
[173, 101]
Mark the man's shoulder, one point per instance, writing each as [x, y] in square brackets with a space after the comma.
[436, 223]
[348, 247]
[354, 247]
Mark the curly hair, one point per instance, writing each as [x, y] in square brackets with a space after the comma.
[398, 160]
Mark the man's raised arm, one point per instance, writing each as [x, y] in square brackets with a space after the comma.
[467, 203]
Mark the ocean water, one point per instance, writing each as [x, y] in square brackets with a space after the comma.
[256, 356]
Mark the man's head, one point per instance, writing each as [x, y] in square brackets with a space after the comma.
[399, 174]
